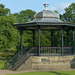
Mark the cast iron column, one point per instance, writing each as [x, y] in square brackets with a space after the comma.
[38, 40]
[34, 40]
[51, 40]
[73, 41]
[67, 38]
[21, 32]
[62, 48]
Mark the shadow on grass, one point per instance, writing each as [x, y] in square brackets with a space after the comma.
[57, 73]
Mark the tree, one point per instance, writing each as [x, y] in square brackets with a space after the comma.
[4, 11]
[69, 15]
[8, 34]
[24, 16]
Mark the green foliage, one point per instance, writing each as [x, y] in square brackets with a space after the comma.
[7, 32]
[2, 64]
[24, 16]
[4, 11]
[27, 38]
[69, 15]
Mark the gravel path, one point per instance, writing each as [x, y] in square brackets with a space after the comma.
[5, 72]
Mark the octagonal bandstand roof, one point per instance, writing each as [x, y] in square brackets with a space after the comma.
[46, 19]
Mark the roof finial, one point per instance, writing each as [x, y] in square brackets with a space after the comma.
[46, 5]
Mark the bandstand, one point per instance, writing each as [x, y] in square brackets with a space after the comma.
[49, 57]
[48, 20]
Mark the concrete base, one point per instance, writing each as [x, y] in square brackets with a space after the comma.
[48, 63]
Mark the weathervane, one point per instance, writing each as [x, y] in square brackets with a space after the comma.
[46, 5]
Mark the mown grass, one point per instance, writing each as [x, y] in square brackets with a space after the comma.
[47, 73]
[2, 64]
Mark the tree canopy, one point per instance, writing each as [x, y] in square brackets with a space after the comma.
[4, 11]
[25, 16]
[8, 34]
[69, 15]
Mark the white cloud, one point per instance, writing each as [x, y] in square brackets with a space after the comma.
[52, 8]
[64, 5]
[60, 7]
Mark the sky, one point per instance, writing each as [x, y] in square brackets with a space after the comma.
[36, 5]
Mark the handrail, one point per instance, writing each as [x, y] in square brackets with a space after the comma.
[25, 54]
[16, 57]
[22, 59]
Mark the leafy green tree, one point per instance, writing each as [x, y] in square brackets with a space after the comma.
[9, 36]
[4, 11]
[69, 15]
[24, 16]
[7, 32]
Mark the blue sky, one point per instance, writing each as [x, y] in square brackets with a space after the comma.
[36, 5]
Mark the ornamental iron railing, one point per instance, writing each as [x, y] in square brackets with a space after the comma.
[20, 57]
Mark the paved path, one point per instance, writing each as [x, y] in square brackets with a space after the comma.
[4, 72]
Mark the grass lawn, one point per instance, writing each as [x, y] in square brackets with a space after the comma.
[2, 64]
[48, 73]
